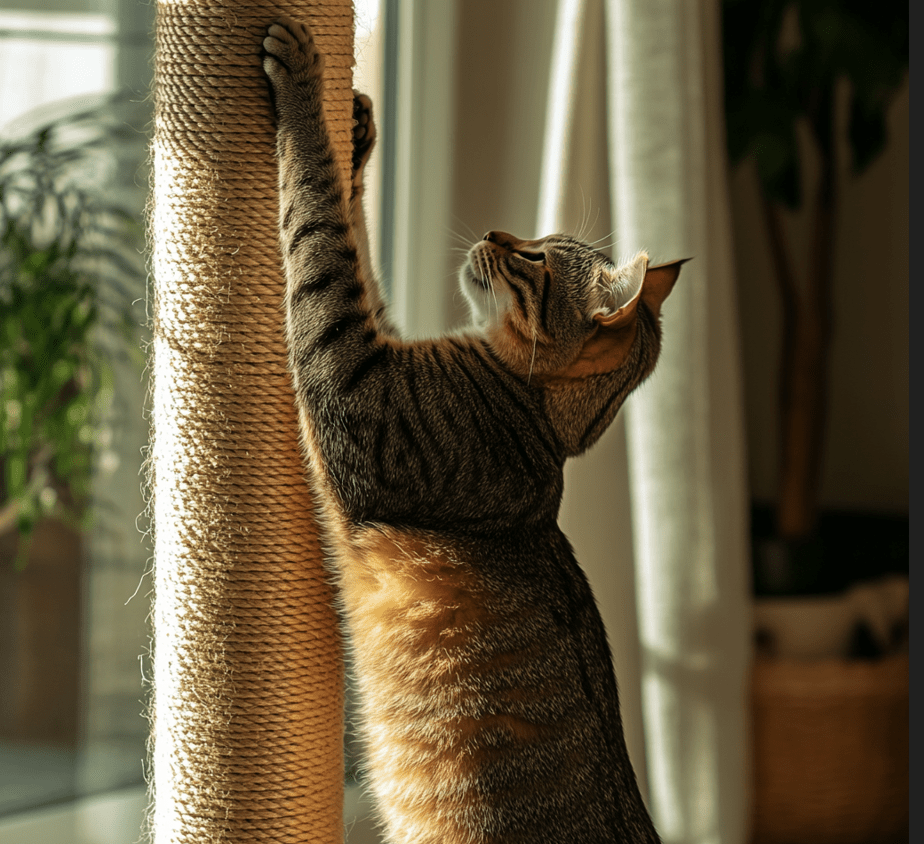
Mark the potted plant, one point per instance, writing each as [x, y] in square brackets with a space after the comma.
[71, 262]
[67, 254]
[830, 735]
[785, 63]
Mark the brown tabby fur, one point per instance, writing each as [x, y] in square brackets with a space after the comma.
[490, 705]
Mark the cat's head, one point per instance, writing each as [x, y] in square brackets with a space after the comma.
[562, 316]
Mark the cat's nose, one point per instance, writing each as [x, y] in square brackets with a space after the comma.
[500, 238]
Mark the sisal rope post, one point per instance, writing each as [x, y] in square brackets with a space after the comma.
[247, 720]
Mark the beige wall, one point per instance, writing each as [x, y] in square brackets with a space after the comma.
[866, 463]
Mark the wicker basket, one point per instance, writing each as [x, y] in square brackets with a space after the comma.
[830, 751]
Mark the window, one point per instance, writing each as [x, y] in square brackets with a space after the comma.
[74, 636]
[68, 725]
[46, 57]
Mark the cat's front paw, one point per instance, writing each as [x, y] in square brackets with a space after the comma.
[293, 63]
[364, 136]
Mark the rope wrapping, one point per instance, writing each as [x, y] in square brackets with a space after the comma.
[247, 718]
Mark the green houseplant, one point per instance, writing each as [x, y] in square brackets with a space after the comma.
[794, 67]
[67, 252]
[829, 734]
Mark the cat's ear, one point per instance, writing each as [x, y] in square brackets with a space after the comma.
[659, 281]
[637, 282]
[608, 347]
[621, 288]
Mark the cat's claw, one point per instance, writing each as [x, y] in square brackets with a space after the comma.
[292, 57]
[364, 135]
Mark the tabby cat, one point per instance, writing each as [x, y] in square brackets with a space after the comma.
[489, 699]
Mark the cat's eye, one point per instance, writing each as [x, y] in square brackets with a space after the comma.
[535, 257]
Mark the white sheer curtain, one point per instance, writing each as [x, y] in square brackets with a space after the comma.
[684, 429]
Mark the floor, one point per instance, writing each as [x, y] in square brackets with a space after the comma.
[116, 818]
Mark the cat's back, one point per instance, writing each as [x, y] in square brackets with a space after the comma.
[437, 434]
[489, 701]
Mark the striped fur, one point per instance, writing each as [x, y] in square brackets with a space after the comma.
[490, 706]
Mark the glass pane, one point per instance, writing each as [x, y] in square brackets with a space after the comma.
[70, 638]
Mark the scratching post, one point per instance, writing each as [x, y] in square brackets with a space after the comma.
[247, 720]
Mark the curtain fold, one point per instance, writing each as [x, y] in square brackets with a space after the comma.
[685, 427]
[683, 670]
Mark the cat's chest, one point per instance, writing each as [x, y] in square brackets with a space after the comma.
[408, 589]
[418, 603]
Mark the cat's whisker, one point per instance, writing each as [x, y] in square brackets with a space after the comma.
[490, 279]
[590, 228]
[462, 222]
[594, 243]
[606, 246]
[485, 265]
[533, 359]
[582, 230]
[458, 236]
[587, 225]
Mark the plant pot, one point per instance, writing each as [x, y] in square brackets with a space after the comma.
[40, 637]
[806, 627]
[830, 744]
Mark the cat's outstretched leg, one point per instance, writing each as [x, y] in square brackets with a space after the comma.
[295, 68]
[364, 137]
[327, 309]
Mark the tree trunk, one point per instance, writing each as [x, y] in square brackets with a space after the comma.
[803, 385]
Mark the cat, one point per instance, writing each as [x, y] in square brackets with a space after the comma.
[490, 706]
